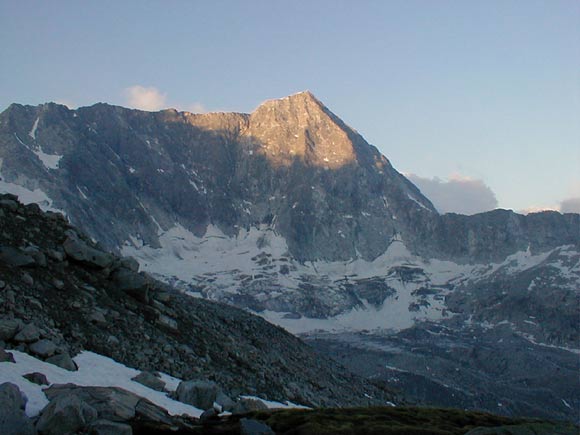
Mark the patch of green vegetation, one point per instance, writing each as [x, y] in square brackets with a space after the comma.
[398, 421]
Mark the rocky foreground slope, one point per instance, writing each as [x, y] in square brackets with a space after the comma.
[60, 293]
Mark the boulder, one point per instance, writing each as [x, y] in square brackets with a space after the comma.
[11, 397]
[63, 360]
[129, 263]
[111, 403]
[9, 204]
[97, 317]
[167, 323]
[43, 348]
[133, 283]
[201, 394]
[225, 402]
[57, 256]
[83, 253]
[149, 412]
[6, 356]
[36, 378]
[150, 380]
[27, 334]
[27, 279]
[57, 284]
[65, 414]
[209, 417]
[248, 404]
[13, 420]
[254, 427]
[15, 257]
[106, 427]
[38, 256]
[8, 329]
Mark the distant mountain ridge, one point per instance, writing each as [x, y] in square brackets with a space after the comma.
[291, 164]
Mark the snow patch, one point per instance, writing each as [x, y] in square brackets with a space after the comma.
[32, 132]
[94, 370]
[27, 196]
[50, 161]
[276, 405]
[416, 201]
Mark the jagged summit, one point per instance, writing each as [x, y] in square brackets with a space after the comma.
[300, 126]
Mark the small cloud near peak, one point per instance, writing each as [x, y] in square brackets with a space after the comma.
[457, 194]
[145, 98]
[194, 108]
[570, 205]
[152, 99]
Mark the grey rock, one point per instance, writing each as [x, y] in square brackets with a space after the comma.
[27, 279]
[27, 334]
[9, 204]
[97, 317]
[63, 360]
[38, 256]
[133, 283]
[247, 404]
[36, 378]
[112, 340]
[148, 411]
[129, 263]
[15, 257]
[111, 403]
[106, 427]
[57, 284]
[8, 329]
[13, 420]
[150, 380]
[65, 414]
[82, 252]
[43, 348]
[208, 417]
[57, 256]
[2, 284]
[223, 400]
[6, 356]
[11, 397]
[201, 394]
[254, 427]
[168, 323]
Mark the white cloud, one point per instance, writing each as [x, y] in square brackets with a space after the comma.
[152, 99]
[570, 205]
[458, 194]
[140, 97]
[67, 103]
[194, 108]
[538, 208]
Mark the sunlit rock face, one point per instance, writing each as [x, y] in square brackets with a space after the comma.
[300, 127]
[292, 165]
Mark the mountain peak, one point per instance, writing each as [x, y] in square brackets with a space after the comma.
[300, 126]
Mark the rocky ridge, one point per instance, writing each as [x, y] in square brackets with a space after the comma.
[62, 293]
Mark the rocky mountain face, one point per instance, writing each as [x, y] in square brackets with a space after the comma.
[290, 213]
[61, 293]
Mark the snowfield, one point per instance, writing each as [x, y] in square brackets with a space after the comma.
[98, 371]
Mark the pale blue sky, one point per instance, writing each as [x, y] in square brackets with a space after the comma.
[482, 89]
